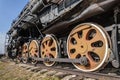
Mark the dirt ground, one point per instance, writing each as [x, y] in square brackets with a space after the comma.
[11, 71]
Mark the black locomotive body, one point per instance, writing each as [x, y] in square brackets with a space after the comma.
[82, 32]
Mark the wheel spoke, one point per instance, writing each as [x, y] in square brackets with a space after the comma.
[53, 45]
[85, 32]
[98, 36]
[47, 42]
[73, 56]
[52, 50]
[72, 46]
[75, 36]
[53, 53]
[92, 63]
[100, 52]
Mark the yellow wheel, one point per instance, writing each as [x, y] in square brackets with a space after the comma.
[34, 50]
[49, 49]
[25, 53]
[90, 44]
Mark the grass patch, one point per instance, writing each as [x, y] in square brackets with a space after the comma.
[14, 72]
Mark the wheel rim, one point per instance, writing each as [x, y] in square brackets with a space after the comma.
[25, 53]
[49, 49]
[34, 50]
[89, 43]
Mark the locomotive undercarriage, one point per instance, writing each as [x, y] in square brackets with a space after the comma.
[89, 43]
[55, 49]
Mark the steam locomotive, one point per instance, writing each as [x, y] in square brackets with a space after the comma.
[85, 33]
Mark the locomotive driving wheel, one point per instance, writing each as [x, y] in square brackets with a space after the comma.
[34, 51]
[49, 49]
[25, 53]
[90, 44]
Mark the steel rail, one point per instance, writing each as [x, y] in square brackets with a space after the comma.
[82, 75]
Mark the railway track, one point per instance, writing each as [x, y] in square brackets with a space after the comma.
[72, 73]
[66, 73]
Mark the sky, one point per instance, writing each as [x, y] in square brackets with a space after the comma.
[9, 10]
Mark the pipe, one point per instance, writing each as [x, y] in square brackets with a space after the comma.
[42, 3]
[38, 6]
[55, 1]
